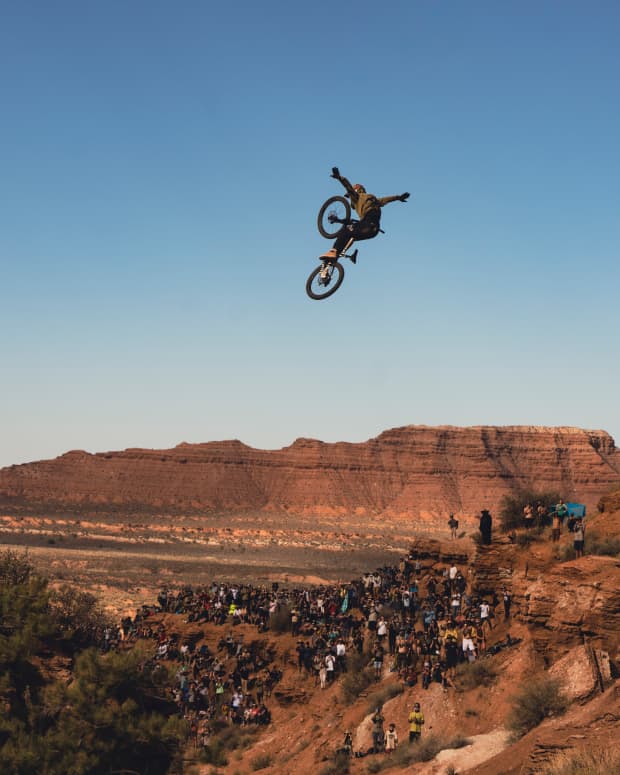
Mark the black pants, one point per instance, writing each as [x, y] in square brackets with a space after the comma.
[358, 230]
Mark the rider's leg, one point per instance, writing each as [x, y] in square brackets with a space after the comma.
[355, 231]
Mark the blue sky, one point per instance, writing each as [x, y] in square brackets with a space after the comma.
[162, 168]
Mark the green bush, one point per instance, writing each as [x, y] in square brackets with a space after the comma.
[102, 720]
[15, 568]
[511, 507]
[536, 700]
[76, 613]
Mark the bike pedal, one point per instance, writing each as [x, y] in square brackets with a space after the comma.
[353, 257]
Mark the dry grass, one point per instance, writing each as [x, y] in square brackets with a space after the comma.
[600, 761]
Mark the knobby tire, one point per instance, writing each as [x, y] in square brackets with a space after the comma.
[342, 208]
[317, 292]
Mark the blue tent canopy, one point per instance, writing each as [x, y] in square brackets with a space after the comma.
[576, 510]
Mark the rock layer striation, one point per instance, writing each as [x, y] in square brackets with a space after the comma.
[413, 471]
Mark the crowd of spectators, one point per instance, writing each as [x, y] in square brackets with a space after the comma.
[415, 619]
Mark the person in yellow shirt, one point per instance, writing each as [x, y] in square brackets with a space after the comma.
[416, 722]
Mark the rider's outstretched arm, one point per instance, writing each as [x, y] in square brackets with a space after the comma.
[336, 174]
[385, 200]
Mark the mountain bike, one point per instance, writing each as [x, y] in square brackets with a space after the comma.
[334, 215]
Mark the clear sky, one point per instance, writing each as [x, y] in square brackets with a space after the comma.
[162, 165]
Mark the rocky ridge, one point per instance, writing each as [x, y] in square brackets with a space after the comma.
[413, 471]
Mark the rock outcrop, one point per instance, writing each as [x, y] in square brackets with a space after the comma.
[574, 602]
[414, 471]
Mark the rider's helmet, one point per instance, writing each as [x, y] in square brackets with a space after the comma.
[359, 188]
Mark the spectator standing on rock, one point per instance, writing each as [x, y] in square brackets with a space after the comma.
[556, 526]
[485, 614]
[453, 524]
[378, 735]
[391, 739]
[528, 516]
[561, 509]
[486, 526]
[377, 660]
[579, 538]
[507, 598]
[416, 722]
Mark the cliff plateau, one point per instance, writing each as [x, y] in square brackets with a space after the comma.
[412, 471]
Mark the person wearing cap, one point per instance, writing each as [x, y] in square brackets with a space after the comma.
[368, 207]
[416, 722]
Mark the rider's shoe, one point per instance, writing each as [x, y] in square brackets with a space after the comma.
[331, 255]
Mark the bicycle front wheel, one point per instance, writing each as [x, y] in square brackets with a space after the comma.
[325, 280]
[332, 216]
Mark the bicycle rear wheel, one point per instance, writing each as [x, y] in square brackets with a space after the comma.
[325, 280]
[336, 207]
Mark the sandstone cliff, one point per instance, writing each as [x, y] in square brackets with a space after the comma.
[410, 471]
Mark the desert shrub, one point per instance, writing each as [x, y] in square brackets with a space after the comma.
[14, 568]
[422, 751]
[214, 753]
[536, 700]
[529, 537]
[482, 672]
[460, 741]
[261, 762]
[600, 761]
[566, 552]
[339, 765]
[358, 678]
[77, 613]
[608, 546]
[511, 507]
[236, 737]
[280, 621]
[381, 696]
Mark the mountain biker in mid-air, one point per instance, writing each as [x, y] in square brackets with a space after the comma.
[368, 207]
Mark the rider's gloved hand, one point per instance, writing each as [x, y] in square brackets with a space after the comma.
[404, 197]
[335, 173]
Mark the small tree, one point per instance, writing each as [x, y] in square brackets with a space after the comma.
[77, 614]
[536, 701]
[511, 507]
